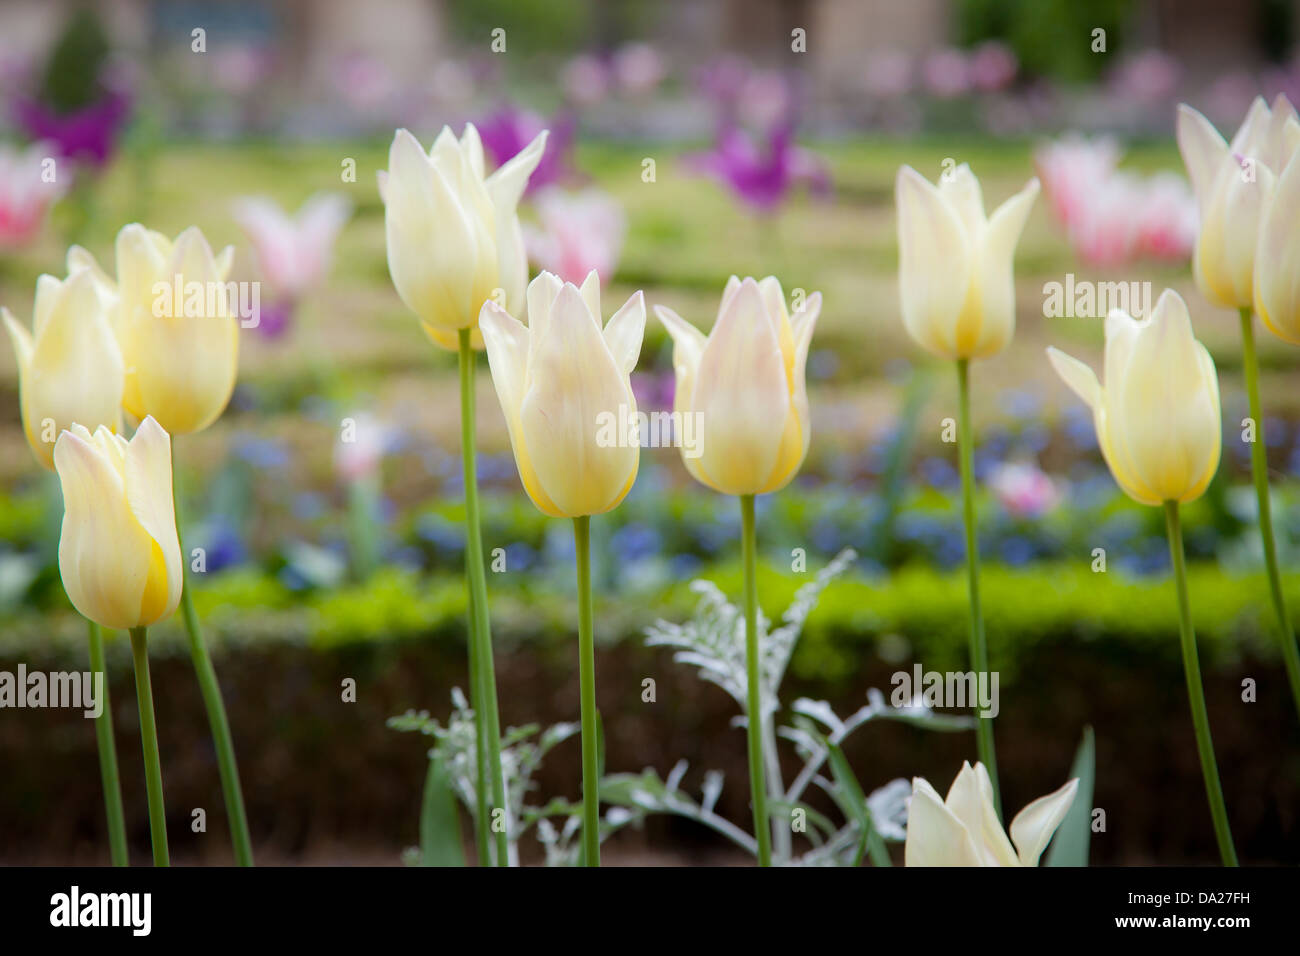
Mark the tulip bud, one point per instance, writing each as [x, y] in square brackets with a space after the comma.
[180, 335]
[1158, 416]
[565, 389]
[1277, 257]
[1233, 184]
[119, 554]
[70, 369]
[745, 386]
[453, 234]
[955, 264]
[963, 830]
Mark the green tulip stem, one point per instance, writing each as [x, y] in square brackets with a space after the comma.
[1195, 690]
[482, 672]
[587, 688]
[149, 741]
[979, 650]
[754, 700]
[1259, 471]
[108, 755]
[210, 690]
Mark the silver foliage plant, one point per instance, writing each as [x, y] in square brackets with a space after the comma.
[712, 641]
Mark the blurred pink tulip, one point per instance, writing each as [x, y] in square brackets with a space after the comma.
[585, 80]
[293, 252]
[992, 67]
[946, 73]
[1024, 490]
[639, 69]
[1149, 76]
[359, 458]
[25, 196]
[579, 232]
[888, 75]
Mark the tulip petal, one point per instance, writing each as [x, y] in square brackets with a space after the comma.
[103, 551]
[148, 477]
[963, 191]
[1203, 149]
[21, 338]
[970, 800]
[934, 270]
[590, 290]
[740, 393]
[624, 332]
[688, 347]
[1033, 826]
[996, 280]
[1079, 376]
[935, 837]
[1277, 259]
[506, 186]
[573, 386]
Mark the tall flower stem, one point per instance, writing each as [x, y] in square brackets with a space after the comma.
[587, 686]
[488, 722]
[108, 755]
[149, 741]
[979, 650]
[210, 690]
[1259, 471]
[1196, 692]
[754, 695]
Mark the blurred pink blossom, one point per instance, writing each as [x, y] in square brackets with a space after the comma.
[946, 73]
[639, 69]
[888, 75]
[1024, 490]
[585, 80]
[25, 196]
[578, 232]
[1149, 76]
[360, 458]
[1111, 216]
[365, 82]
[240, 67]
[293, 251]
[992, 66]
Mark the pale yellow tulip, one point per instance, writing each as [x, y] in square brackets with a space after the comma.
[1277, 255]
[119, 554]
[1233, 185]
[70, 369]
[955, 264]
[1158, 415]
[565, 389]
[963, 830]
[454, 239]
[178, 330]
[744, 384]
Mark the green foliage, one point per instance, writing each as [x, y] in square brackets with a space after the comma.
[72, 74]
[1070, 845]
[1049, 37]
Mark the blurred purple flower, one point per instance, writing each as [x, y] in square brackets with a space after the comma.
[507, 131]
[1150, 76]
[585, 80]
[761, 176]
[638, 68]
[86, 135]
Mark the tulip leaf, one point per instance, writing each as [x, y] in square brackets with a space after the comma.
[1070, 846]
[854, 805]
[440, 843]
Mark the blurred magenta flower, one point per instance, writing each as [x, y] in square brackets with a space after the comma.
[25, 196]
[87, 135]
[579, 232]
[1024, 490]
[509, 130]
[762, 176]
[638, 68]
